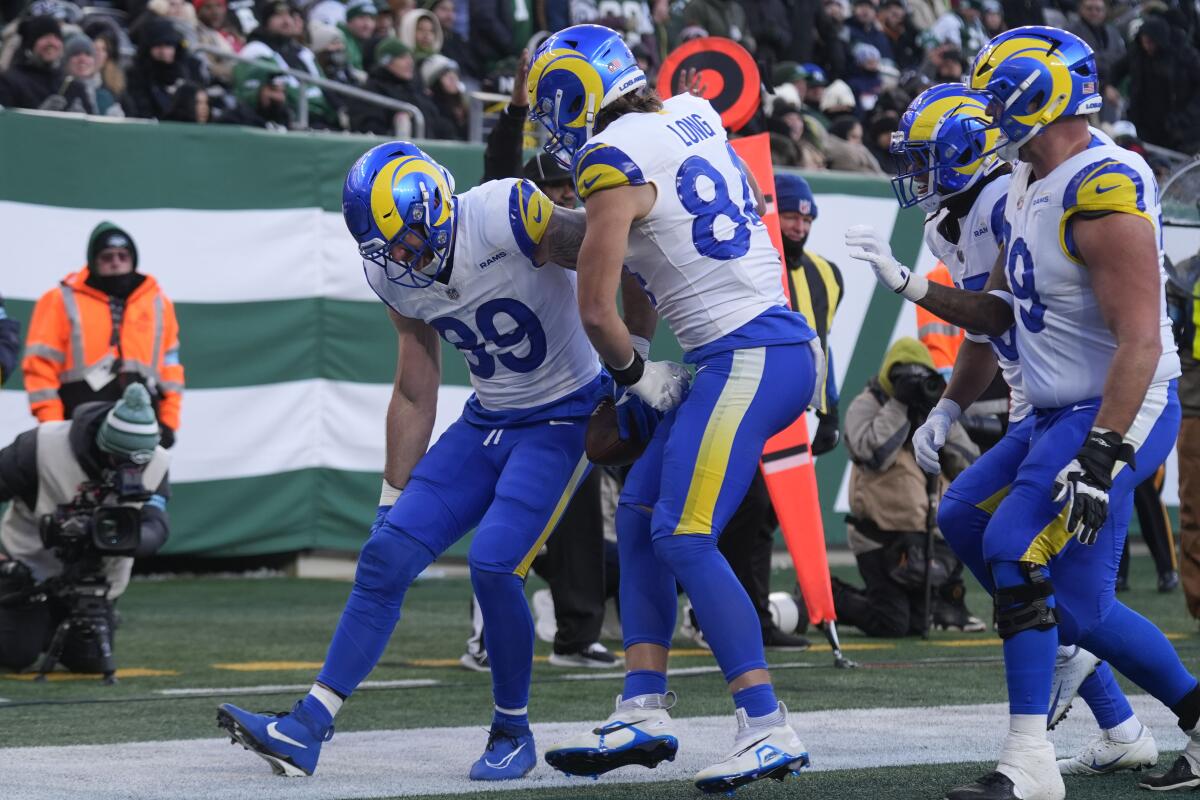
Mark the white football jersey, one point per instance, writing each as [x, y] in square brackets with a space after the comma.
[516, 325]
[970, 261]
[702, 253]
[1064, 343]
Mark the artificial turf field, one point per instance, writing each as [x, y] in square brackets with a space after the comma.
[914, 719]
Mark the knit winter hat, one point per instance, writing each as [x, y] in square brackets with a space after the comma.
[130, 430]
[360, 8]
[390, 48]
[76, 44]
[905, 350]
[34, 28]
[107, 235]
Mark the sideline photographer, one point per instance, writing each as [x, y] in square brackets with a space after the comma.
[88, 496]
[889, 504]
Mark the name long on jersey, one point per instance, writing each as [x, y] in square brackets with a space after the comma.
[702, 253]
[1064, 343]
[516, 324]
[970, 258]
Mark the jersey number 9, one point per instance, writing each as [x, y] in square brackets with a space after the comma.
[474, 345]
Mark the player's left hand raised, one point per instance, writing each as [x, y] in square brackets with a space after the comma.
[1085, 482]
[866, 244]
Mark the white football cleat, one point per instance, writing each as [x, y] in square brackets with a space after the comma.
[1072, 666]
[633, 734]
[757, 753]
[1102, 755]
[1026, 771]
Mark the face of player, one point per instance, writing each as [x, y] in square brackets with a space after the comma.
[795, 226]
[402, 252]
[561, 194]
[114, 261]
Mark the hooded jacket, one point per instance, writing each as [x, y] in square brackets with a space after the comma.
[887, 487]
[28, 82]
[90, 337]
[1164, 88]
[152, 83]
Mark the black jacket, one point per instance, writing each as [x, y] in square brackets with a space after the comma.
[10, 347]
[491, 30]
[19, 471]
[1164, 89]
[373, 119]
[27, 84]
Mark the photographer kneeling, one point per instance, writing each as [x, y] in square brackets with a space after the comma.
[88, 496]
[889, 505]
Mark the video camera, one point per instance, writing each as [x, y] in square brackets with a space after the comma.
[917, 387]
[100, 520]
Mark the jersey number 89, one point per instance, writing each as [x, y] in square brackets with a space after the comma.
[483, 364]
[707, 212]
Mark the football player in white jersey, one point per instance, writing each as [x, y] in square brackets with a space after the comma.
[1083, 260]
[666, 196]
[938, 147]
[473, 269]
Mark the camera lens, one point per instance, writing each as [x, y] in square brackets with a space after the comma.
[108, 531]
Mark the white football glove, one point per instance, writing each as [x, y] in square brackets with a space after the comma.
[928, 439]
[866, 244]
[663, 385]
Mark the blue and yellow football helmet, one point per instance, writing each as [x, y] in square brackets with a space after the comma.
[573, 74]
[396, 195]
[1035, 75]
[943, 146]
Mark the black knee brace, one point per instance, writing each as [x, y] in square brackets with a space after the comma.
[1024, 607]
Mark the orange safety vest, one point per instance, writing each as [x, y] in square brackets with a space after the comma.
[71, 340]
[942, 338]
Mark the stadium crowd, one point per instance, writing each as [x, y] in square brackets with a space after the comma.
[842, 71]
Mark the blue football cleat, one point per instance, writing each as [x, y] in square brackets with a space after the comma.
[290, 743]
[508, 756]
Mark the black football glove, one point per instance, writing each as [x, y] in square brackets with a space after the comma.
[828, 432]
[1085, 483]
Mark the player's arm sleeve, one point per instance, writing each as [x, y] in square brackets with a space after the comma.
[156, 526]
[1103, 187]
[46, 357]
[603, 166]
[502, 156]
[529, 212]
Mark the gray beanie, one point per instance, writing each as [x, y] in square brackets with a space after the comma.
[130, 430]
[78, 44]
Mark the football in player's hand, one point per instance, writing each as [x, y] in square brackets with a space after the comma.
[603, 441]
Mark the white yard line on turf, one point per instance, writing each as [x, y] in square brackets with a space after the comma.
[273, 688]
[435, 760]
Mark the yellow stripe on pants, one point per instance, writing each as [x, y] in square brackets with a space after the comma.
[712, 460]
[576, 477]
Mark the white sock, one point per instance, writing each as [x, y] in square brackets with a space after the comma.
[766, 721]
[1027, 725]
[644, 701]
[327, 698]
[1127, 731]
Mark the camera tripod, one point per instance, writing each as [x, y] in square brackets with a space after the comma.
[87, 623]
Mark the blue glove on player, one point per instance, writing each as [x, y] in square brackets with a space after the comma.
[636, 419]
[1085, 483]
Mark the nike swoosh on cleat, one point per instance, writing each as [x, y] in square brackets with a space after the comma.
[617, 726]
[750, 747]
[1104, 766]
[283, 737]
[504, 762]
